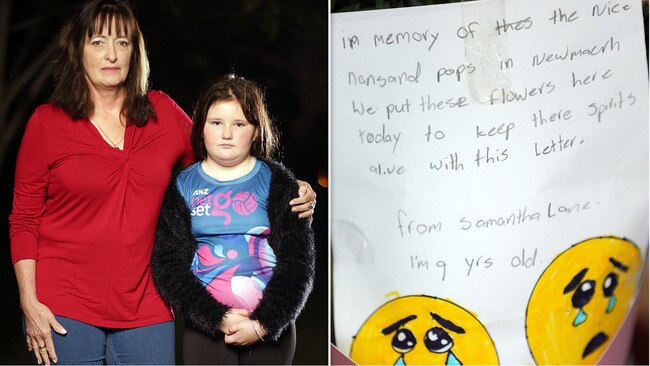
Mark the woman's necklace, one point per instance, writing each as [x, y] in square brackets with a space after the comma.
[115, 144]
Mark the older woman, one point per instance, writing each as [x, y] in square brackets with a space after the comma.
[90, 177]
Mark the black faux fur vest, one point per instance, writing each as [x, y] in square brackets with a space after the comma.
[285, 294]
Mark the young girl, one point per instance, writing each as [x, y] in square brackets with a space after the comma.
[230, 257]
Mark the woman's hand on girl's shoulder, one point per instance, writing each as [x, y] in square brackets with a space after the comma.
[305, 203]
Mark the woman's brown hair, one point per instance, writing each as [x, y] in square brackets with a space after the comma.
[71, 92]
[251, 99]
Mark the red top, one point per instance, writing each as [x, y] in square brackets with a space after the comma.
[87, 212]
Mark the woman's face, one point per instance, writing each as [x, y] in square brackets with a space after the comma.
[227, 134]
[106, 59]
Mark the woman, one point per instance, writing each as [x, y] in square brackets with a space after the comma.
[230, 258]
[90, 177]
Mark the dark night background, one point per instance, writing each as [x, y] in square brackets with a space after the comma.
[280, 44]
[639, 347]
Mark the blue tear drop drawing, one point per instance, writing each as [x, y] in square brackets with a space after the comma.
[611, 304]
[400, 361]
[580, 318]
[453, 360]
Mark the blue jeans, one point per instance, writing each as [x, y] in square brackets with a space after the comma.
[90, 345]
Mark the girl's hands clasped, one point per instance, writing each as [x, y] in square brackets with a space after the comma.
[239, 330]
[232, 317]
[245, 333]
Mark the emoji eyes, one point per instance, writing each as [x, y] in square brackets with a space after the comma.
[585, 291]
[403, 341]
[437, 340]
[610, 284]
[583, 294]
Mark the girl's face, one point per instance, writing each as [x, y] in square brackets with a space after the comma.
[227, 134]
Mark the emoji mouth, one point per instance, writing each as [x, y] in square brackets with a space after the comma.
[595, 342]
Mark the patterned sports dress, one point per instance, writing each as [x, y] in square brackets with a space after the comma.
[230, 223]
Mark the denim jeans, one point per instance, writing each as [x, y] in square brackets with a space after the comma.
[90, 345]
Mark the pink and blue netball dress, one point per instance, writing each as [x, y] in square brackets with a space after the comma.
[230, 223]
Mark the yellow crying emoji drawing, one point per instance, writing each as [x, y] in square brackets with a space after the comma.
[414, 330]
[580, 301]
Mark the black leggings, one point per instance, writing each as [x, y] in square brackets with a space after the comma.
[200, 349]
